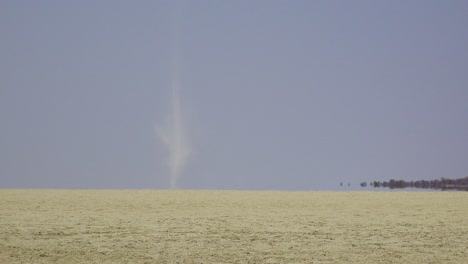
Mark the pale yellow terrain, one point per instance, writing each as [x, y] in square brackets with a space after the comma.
[147, 226]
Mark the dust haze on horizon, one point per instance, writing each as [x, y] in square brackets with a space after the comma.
[258, 95]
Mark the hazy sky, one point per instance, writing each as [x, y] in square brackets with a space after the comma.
[275, 94]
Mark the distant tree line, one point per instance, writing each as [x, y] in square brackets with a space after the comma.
[442, 184]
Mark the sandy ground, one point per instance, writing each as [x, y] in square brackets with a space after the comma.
[75, 226]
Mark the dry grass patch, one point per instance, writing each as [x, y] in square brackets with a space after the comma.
[145, 226]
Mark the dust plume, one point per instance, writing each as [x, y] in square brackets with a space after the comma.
[175, 135]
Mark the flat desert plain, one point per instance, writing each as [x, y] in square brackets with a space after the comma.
[170, 226]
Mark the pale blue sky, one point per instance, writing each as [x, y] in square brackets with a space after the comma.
[292, 95]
